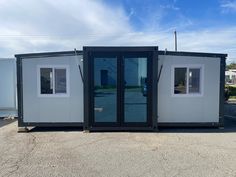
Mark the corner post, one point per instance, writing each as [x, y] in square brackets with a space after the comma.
[86, 88]
[222, 91]
[155, 89]
[20, 92]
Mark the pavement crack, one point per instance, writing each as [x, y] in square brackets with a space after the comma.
[16, 165]
[92, 142]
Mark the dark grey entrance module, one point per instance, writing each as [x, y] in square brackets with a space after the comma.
[121, 54]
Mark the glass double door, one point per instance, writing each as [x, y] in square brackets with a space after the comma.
[120, 90]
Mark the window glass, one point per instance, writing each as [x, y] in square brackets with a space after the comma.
[60, 80]
[46, 81]
[105, 89]
[135, 96]
[180, 81]
[194, 80]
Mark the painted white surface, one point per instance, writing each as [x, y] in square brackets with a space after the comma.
[8, 87]
[189, 108]
[52, 109]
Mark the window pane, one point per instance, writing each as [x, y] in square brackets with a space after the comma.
[194, 80]
[105, 89]
[60, 80]
[46, 80]
[180, 80]
[135, 96]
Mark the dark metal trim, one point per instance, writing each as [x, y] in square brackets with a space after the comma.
[119, 49]
[49, 54]
[159, 74]
[155, 88]
[189, 124]
[121, 129]
[222, 91]
[87, 89]
[81, 74]
[194, 54]
[20, 92]
[52, 124]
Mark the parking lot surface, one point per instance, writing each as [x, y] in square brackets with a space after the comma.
[70, 152]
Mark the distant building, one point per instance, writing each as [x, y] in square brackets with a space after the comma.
[230, 76]
[8, 95]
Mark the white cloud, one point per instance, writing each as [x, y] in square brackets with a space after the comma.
[228, 6]
[170, 6]
[211, 40]
[48, 25]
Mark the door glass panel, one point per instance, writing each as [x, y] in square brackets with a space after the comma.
[135, 96]
[105, 89]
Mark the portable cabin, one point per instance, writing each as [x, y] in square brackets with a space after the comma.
[8, 91]
[121, 88]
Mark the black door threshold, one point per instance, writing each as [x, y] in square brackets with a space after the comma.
[122, 129]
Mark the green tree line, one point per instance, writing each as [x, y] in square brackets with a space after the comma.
[231, 66]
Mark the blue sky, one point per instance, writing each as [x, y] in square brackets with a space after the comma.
[49, 25]
[168, 13]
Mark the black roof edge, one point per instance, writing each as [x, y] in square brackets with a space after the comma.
[99, 48]
[119, 48]
[196, 54]
[48, 54]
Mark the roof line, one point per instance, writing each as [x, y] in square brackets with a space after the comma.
[48, 54]
[160, 52]
[197, 54]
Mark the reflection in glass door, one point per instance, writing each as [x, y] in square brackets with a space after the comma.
[135, 96]
[105, 90]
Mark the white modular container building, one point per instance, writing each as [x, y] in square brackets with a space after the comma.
[121, 88]
[8, 91]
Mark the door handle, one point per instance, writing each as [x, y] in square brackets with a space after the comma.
[98, 109]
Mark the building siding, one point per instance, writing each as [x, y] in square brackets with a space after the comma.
[203, 108]
[52, 109]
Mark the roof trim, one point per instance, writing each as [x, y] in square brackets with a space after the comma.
[195, 54]
[48, 54]
[120, 48]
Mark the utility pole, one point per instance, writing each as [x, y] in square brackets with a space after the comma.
[175, 33]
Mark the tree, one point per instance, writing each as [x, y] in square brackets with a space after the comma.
[231, 66]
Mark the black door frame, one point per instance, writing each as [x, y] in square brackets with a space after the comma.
[88, 58]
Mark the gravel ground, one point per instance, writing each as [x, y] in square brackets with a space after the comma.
[69, 152]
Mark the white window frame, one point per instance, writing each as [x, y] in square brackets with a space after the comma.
[188, 66]
[53, 67]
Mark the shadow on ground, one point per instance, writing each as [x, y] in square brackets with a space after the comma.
[230, 126]
[63, 129]
[4, 122]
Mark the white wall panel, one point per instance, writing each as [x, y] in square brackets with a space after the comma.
[203, 108]
[52, 109]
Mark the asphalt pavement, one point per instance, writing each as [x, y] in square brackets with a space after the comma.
[69, 152]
